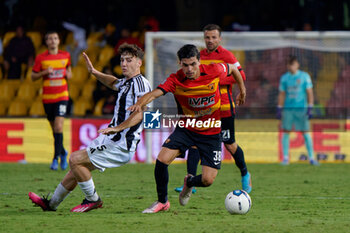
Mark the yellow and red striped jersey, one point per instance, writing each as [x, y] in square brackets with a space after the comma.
[221, 55]
[55, 87]
[199, 98]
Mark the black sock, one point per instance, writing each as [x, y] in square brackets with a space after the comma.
[195, 181]
[162, 178]
[192, 161]
[240, 162]
[58, 143]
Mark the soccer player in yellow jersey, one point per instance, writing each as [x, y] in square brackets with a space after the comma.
[54, 66]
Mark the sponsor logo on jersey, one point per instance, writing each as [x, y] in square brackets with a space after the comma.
[201, 101]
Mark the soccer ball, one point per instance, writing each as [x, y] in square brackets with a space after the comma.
[238, 202]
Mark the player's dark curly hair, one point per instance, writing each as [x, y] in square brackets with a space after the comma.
[132, 49]
[188, 51]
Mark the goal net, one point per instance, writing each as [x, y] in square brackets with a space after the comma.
[324, 55]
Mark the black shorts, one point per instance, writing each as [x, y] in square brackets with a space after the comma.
[228, 130]
[56, 109]
[209, 146]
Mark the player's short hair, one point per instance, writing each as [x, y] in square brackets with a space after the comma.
[188, 51]
[49, 33]
[212, 27]
[132, 49]
[291, 59]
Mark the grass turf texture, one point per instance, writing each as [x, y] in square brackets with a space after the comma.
[294, 198]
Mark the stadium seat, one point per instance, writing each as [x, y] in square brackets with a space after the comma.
[37, 108]
[81, 107]
[81, 61]
[37, 85]
[41, 49]
[93, 38]
[74, 91]
[26, 93]
[87, 91]
[69, 38]
[98, 107]
[28, 75]
[105, 55]
[7, 92]
[7, 37]
[240, 55]
[14, 83]
[36, 39]
[3, 108]
[118, 70]
[79, 75]
[17, 108]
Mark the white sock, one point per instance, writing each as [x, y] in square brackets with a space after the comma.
[58, 196]
[88, 188]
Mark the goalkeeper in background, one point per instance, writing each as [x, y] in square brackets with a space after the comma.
[295, 102]
[215, 53]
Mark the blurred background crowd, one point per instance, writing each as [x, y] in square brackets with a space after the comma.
[100, 27]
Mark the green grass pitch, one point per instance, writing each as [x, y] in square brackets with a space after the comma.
[294, 198]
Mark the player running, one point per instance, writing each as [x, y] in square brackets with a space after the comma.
[196, 91]
[215, 53]
[295, 102]
[54, 66]
[116, 145]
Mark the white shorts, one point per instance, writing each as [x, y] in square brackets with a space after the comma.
[103, 153]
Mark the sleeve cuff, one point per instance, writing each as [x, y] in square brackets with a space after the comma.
[164, 91]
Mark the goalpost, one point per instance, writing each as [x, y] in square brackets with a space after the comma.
[324, 55]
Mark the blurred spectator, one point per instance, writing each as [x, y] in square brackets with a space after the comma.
[148, 21]
[109, 36]
[307, 27]
[79, 43]
[126, 38]
[20, 50]
[108, 106]
[101, 90]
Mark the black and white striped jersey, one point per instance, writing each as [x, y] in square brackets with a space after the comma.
[128, 91]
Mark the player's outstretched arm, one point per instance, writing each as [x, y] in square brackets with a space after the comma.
[240, 99]
[132, 120]
[106, 79]
[146, 99]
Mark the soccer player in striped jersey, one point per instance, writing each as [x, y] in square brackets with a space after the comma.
[295, 102]
[116, 145]
[54, 67]
[215, 53]
[196, 91]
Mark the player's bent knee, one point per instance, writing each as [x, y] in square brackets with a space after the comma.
[75, 158]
